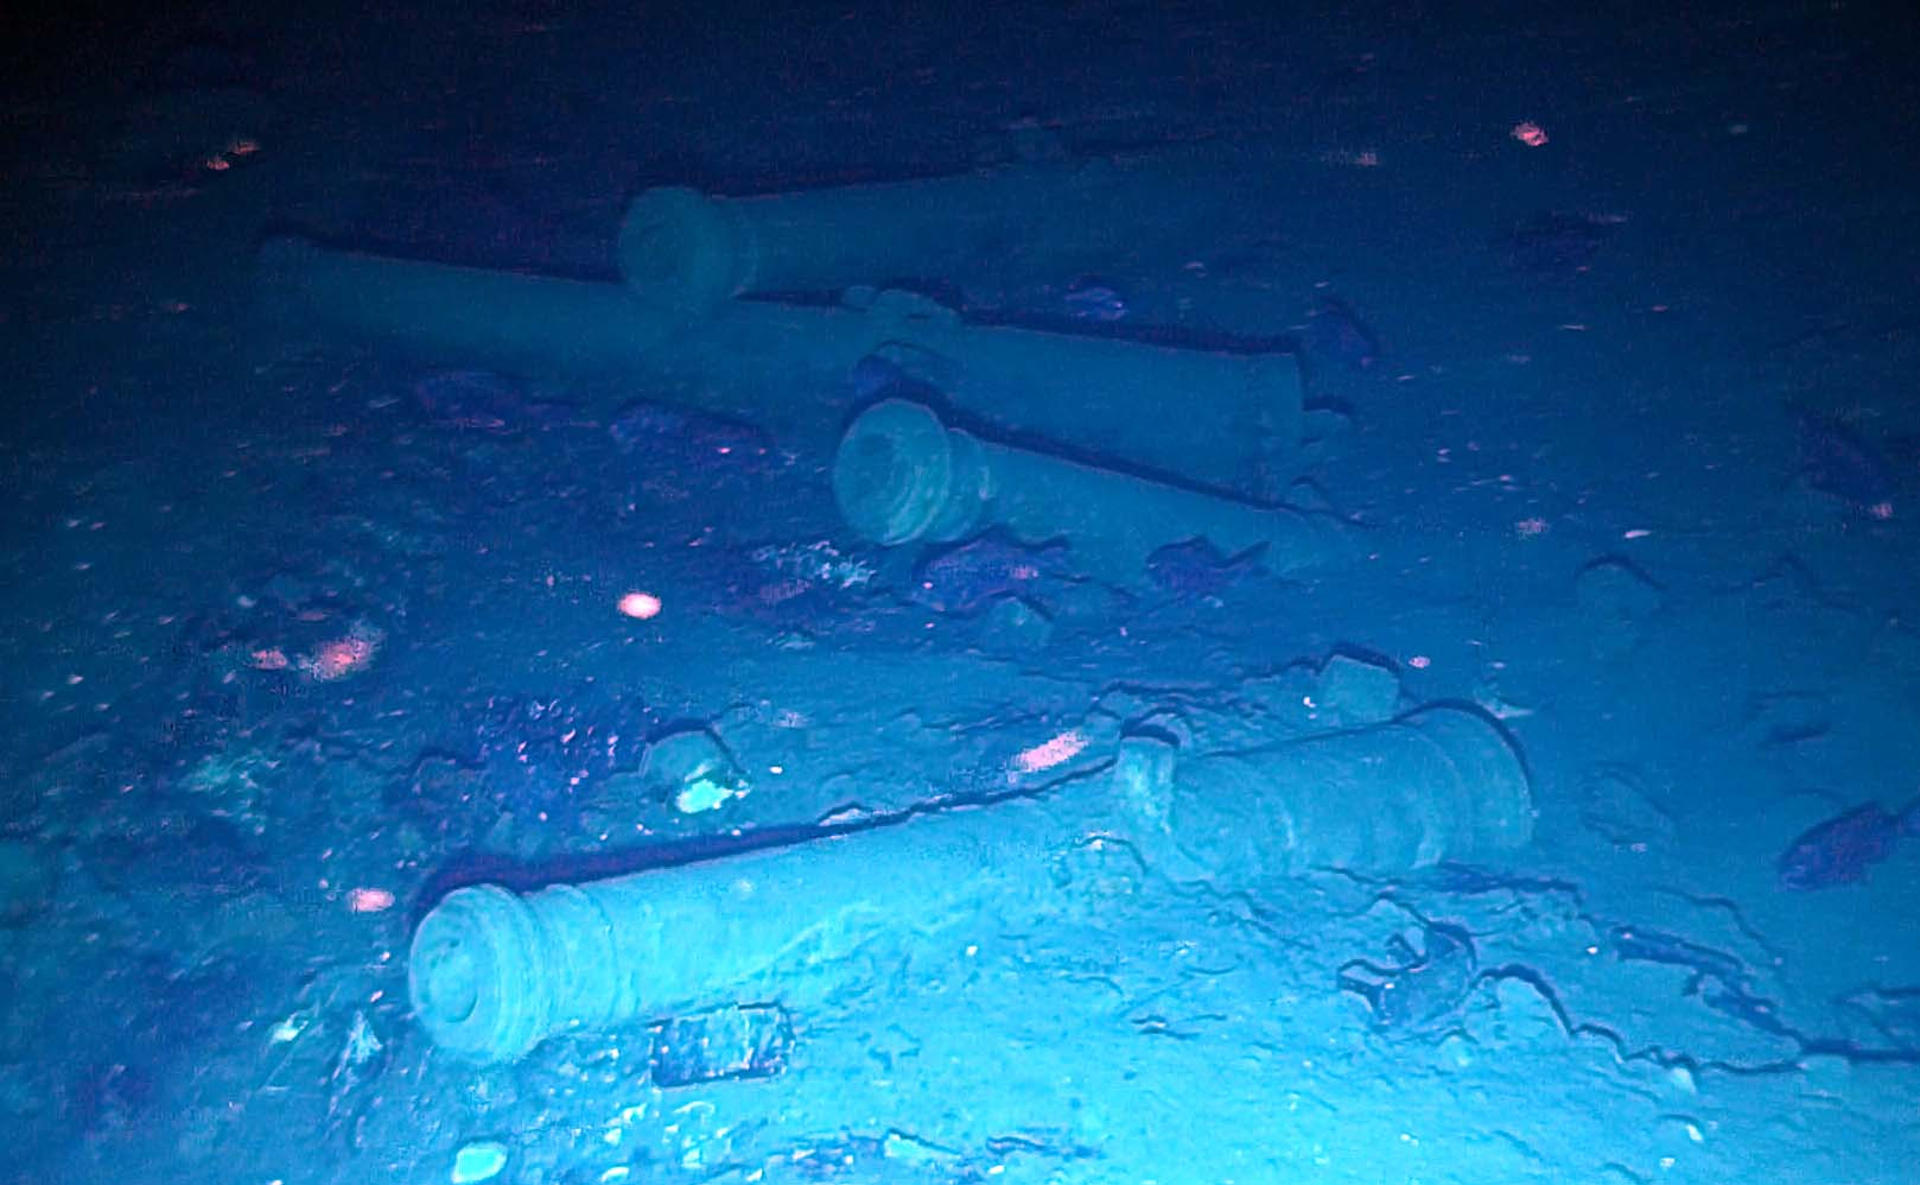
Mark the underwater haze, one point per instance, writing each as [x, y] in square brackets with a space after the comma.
[1063, 594]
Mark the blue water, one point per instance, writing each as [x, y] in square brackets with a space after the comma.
[1602, 323]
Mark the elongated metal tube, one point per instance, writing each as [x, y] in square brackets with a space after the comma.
[500, 319]
[901, 475]
[493, 973]
[693, 250]
[1443, 783]
[1223, 421]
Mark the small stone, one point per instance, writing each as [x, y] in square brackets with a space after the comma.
[1143, 777]
[1613, 589]
[693, 769]
[1521, 1017]
[1616, 599]
[1456, 1050]
[1015, 626]
[1355, 692]
[704, 794]
[1681, 1079]
[481, 1160]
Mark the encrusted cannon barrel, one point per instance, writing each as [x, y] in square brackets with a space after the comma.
[1220, 420]
[694, 250]
[493, 973]
[902, 476]
[1443, 783]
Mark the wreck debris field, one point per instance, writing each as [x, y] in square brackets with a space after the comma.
[1059, 594]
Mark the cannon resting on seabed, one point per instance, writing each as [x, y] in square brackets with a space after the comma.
[763, 309]
[494, 973]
